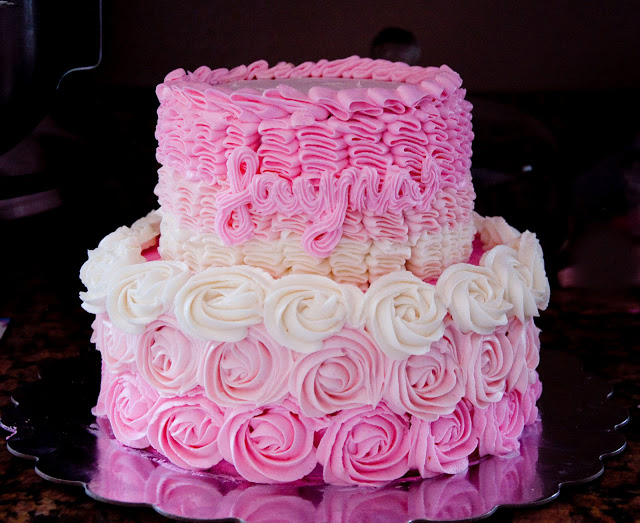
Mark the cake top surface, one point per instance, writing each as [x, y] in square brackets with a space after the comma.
[305, 84]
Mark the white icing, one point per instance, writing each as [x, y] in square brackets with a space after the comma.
[222, 302]
[139, 293]
[301, 311]
[403, 314]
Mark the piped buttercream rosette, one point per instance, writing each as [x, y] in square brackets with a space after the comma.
[403, 314]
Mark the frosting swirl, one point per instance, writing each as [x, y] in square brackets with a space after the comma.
[475, 298]
[166, 358]
[347, 372]
[365, 446]
[443, 446]
[185, 430]
[428, 385]
[273, 444]
[139, 293]
[403, 314]
[221, 303]
[250, 371]
[301, 311]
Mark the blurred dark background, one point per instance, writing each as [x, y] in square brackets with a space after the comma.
[554, 84]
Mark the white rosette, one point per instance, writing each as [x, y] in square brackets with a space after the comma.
[494, 230]
[96, 272]
[139, 294]
[404, 314]
[302, 310]
[516, 279]
[221, 303]
[530, 255]
[474, 297]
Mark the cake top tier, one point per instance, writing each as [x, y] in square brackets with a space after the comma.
[372, 87]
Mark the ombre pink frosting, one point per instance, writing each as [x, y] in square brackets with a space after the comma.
[348, 372]
[427, 386]
[443, 446]
[129, 400]
[185, 430]
[315, 147]
[365, 446]
[253, 371]
[272, 444]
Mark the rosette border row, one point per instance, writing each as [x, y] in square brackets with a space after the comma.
[402, 313]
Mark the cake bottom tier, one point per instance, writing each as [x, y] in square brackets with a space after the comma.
[347, 411]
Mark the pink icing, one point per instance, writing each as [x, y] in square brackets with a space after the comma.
[252, 371]
[167, 358]
[365, 446]
[385, 133]
[273, 444]
[348, 372]
[487, 361]
[443, 446]
[128, 400]
[185, 430]
[426, 386]
[499, 425]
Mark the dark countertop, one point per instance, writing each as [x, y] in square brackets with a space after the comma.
[39, 295]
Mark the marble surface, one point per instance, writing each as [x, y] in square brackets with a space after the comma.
[39, 295]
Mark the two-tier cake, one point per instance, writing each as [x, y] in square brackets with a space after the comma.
[315, 292]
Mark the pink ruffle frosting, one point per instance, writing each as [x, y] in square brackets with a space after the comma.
[322, 153]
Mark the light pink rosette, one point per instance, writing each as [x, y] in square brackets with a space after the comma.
[128, 401]
[250, 371]
[168, 359]
[533, 345]
[523, 341]
[427, 386]
[117, 348]
[487, 360]
[365, 446]
[185, 430]
[500, 425]
[529, 399]
[443, 446]
[272, 444]
[348, 372]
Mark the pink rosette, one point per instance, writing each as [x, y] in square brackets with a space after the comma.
[365, 446]
[128, 401]
[499, 425]
[185, 431]
[518, 377]
[348, 372]
[273, 444]
[428, 385]
[529, 399]
[167, 358]
[250, 371]
[116, 347]
[533, 345]
[487, 359]
[443, 446]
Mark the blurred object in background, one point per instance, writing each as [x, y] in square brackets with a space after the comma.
[396, 45]
[40, 43]
[605, 235]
